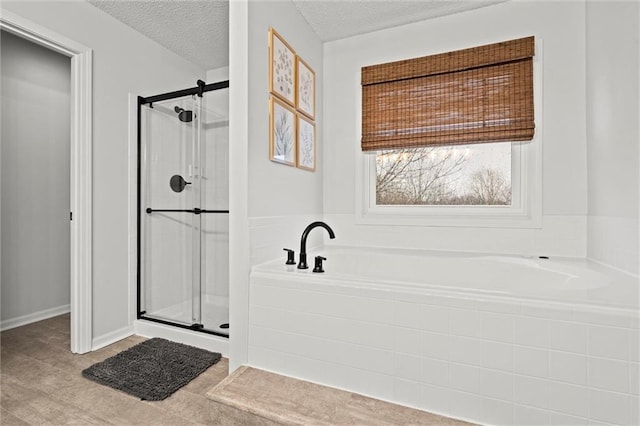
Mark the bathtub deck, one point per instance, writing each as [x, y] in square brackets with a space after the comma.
[290, 401]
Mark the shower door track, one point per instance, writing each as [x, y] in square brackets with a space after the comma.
[194, 211]
[194, 327]
[198, 90]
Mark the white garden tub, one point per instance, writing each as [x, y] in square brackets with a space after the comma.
[490, 339]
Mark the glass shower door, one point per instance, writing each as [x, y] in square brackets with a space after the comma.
[170, 223]
[215, 200]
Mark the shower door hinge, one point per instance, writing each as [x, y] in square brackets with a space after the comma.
[70, 215]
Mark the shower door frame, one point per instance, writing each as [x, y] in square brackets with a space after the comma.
[199, 90]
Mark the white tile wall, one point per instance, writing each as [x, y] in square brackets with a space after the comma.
[466, 405]
[634, 345]
[529, 416]
[608, 407]
[531, 391]
[608, 342]
[531, 332]
[561, 419]
[435, 371]
[634, 410]
[609, 374]
[634, 378]
[406, 366]
[408, 341]
[567, 336]
[463, 322]
[465, 350]
[453, 357]
[568, 399]
[496, 384]
[497, 327]
[568, 367]
[408, 392]
[436, 399]
[496, 412]
[610, 242]
[497, 356]
[531, 361]
[434, 345]
[464, 377]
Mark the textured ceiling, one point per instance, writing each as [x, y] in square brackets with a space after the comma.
[334, 19]
[198, 30]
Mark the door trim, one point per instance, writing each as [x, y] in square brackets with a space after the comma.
[81, 184]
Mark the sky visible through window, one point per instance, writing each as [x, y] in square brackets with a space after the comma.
[478, 174]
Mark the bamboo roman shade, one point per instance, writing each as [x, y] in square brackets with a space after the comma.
[476, 95]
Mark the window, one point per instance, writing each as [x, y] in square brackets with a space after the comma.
[445, 175]
[448, 139]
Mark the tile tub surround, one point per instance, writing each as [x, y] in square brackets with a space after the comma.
[481, 357]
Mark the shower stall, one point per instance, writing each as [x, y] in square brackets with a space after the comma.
[183, 216]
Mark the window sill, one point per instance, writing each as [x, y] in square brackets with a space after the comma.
[442, 216]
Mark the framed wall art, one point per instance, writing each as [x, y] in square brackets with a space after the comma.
[306, 143]
[282, 63]
[282, 132]
[305, 88]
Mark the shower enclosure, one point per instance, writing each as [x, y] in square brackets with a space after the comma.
[183, 226]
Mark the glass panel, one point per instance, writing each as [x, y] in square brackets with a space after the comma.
[196, 174]
[215, 196]
[169, 182]
[477, 175]
[184, 166]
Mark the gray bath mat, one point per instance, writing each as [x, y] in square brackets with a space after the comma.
[152, 370]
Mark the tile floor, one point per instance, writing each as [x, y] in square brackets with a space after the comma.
[41, 383]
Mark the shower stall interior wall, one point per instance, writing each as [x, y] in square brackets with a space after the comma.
[183, 209]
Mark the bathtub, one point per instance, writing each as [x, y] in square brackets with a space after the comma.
[488, 339]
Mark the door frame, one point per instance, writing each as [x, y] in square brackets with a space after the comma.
[81, 183]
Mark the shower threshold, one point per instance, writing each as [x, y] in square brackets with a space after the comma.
[215, 315]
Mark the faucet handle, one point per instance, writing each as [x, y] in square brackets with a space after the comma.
[318, 264]
[290, 257]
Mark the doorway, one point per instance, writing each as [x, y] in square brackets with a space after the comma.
[80, 169]
[35, 155]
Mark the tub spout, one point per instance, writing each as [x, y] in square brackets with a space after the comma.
[303, 242]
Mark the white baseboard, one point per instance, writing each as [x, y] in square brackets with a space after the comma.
[193, 338]
[34, 317]
[112, 337]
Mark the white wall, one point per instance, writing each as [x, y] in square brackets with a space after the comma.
[279, 200]
[559, 27]
[238, 183]
[275, 189]
[217, 74]
[282, 199]
[35, 181]
[124, 61]
[612, 132]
